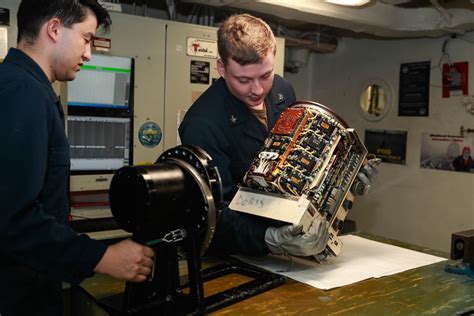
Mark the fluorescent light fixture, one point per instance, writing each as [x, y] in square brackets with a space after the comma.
[353, 3]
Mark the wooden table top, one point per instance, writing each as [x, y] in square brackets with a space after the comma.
[427, 290]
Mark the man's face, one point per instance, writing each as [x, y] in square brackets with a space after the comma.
[250, 83]
[466, 154]
[74, 48]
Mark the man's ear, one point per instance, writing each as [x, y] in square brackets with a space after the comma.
[221, 68]
[53, 27]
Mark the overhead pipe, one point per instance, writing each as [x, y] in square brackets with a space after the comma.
[448, 19]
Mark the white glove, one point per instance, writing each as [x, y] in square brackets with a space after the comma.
[289, 239]
[365, 177]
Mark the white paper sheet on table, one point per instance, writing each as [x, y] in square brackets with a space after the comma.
[359, 259]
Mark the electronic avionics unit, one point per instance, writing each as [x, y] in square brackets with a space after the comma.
[100, 115]
[304, 171]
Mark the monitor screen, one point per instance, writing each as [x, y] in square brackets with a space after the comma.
[100, 115]
[103, 82]
[100, 144]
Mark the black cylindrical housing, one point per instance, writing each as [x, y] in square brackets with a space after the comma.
[148, 196]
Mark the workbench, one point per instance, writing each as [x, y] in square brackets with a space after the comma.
[427, 290]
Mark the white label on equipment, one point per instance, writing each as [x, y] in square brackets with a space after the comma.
[201, 48]
[3, 44]
[270, 206]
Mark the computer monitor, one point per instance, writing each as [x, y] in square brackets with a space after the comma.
[100, 115]
[103, 82]
[99, 143]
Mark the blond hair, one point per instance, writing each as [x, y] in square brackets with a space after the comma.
[246, 39]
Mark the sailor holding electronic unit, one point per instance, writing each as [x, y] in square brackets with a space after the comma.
[231, 121]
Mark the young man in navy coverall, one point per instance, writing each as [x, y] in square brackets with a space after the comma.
[38, 250]
[231, 120]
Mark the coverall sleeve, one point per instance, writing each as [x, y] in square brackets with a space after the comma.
[28, 234]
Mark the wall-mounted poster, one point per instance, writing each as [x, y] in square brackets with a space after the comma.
[446, 152]
[414, 89]
[455, 79]
[390, 146]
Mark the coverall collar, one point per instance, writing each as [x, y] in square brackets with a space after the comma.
[20, 59]
[238, 113]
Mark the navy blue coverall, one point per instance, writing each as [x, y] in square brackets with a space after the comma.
[232, 135]
[38, 249]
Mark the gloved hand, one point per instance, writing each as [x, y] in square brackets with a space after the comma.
[365, 177]
[289, 239]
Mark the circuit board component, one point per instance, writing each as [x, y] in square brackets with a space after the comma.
[311, 154]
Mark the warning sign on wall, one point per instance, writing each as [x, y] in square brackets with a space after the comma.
[200, 71]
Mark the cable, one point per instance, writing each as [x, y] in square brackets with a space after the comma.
[444, 54]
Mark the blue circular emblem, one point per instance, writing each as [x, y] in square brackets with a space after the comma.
[149, 134]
